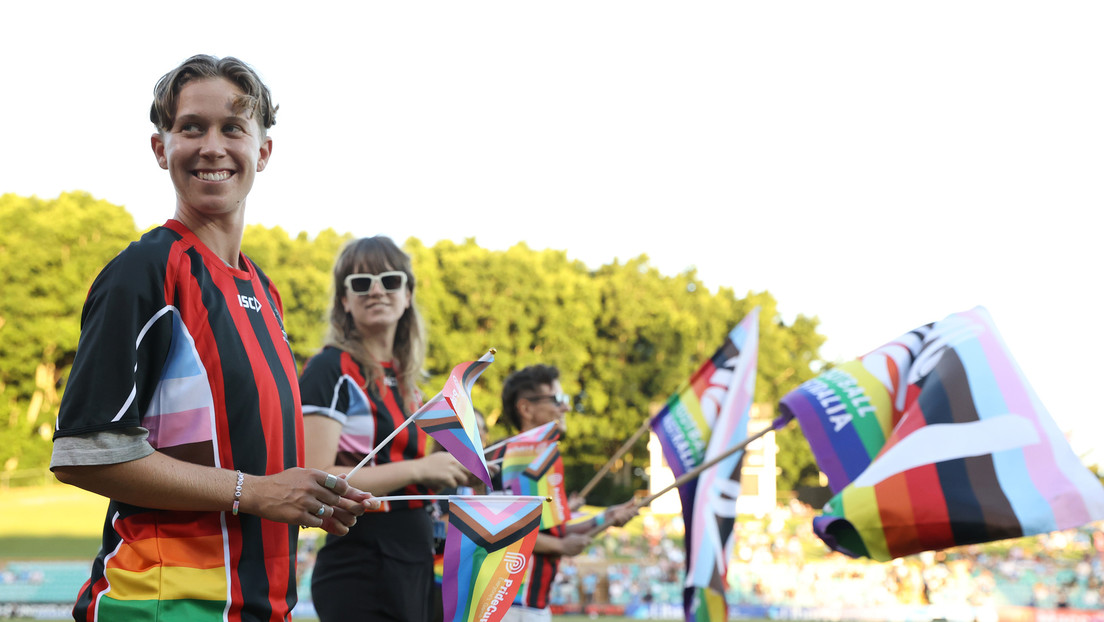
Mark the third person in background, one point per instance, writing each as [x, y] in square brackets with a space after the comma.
[532, 397]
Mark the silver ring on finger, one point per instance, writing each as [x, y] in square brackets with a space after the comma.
[331, 481]
[321, 511]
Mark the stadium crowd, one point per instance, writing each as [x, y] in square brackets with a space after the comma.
[778, 561]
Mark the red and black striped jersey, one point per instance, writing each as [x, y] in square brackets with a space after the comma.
[175, 341]
[540, 574]
[332, 385]
[540, 569]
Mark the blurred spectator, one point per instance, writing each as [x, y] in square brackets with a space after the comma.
[780, 562]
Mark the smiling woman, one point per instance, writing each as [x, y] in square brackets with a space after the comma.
[182, 365]
[358, 390]
[213, 148]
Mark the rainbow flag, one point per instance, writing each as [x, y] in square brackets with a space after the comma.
[973, 456]
[537, 469]
[439, 568]
[707, 417]
[449, 417]
[487, 549]
[849, 411]
[703, 604]
[685, 423]
[546, 432]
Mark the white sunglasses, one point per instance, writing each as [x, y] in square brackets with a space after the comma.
[361, 284]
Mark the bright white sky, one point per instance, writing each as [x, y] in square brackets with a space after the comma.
[877, 164]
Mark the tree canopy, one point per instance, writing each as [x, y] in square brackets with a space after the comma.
[624, 336]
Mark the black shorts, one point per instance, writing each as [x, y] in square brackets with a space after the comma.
[381, 570]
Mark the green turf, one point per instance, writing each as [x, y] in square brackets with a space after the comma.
[50, 522]
[51, 511]
[49, 547]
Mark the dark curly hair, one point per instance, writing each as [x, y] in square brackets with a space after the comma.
[524, 381]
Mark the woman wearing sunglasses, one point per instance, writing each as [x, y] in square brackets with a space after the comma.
[356, 392]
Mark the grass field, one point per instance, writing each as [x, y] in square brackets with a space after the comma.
[57, 510]
[50, 522]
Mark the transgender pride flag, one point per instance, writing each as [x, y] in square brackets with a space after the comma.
[449, 417]
[685, 424]
[957, 447]
[488, 546]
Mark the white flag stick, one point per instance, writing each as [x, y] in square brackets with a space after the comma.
[498, 444]
[479, 497]
[376, 449]
[417, 413]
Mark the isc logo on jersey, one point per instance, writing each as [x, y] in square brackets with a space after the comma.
[249, 302]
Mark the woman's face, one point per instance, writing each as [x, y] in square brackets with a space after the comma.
[212, 151]
[378, 309]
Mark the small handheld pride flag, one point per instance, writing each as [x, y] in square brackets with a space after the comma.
[452, 421]
[489, 544]
[449, 418]
[546, 432]
[537, 469]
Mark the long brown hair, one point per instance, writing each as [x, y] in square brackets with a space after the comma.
[374, 255]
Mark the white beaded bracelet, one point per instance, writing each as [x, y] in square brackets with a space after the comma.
[237, 491]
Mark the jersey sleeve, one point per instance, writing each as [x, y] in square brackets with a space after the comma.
[322, 386]
[126, 332]
[110, 447]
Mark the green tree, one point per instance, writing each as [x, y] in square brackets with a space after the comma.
[531, 306]
[624, 335]
[301, 268]
[50, 251]
[658, 330]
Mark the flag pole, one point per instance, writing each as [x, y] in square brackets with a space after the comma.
[778, 423]
[418, 413]
[487, 450]
[509, 439]
[409, 420]
[376, 449]
[477, 497]
[617, 454]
